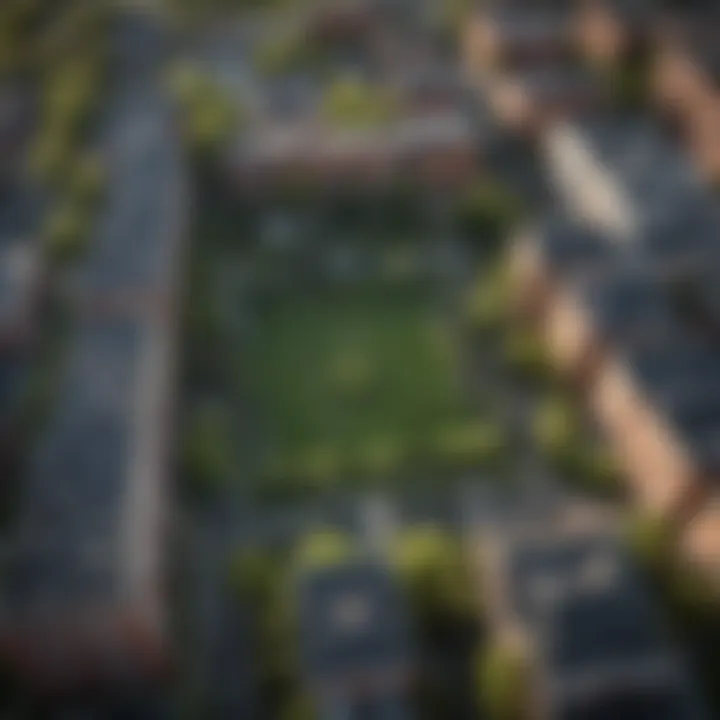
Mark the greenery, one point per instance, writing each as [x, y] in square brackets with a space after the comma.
[526, 356]
[208, 448]
[471, 444]
[502, 683]
[486, 213]
[488, 301]
[555, 427]
[210, 115]
[432, 567]
[66, 231]
[351, 102]
[323, 548]
[358, 379]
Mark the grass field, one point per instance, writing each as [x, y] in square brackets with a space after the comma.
[347, 374]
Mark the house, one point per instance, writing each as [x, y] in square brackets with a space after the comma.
[561, 592]
[685, 86]
[530, 100]
[612, 32]
[354, 641]
[621, 175]
[502, 36]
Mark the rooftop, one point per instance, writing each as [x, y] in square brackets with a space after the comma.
[72, 526]
[352, 622]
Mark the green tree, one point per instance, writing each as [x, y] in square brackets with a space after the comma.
[471, 443]
[555, 427]
[88, 178]
[66, 232]
[502, 683]
[207, 450]
[486, 213]
[431, 565]
[349, 101]
[323, 548]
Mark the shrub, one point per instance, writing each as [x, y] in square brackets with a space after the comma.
[471, 443]
[323, 548]
[555, 428]
[66, 232]
[432, 568]
[502, 683]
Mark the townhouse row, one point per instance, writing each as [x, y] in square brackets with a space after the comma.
[546, 60]
[566, 605]
[621, 286]
[84, 592]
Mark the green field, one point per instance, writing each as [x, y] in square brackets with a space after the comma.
[352, 378]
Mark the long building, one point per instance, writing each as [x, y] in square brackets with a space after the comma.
[84, 598]
[561, 593]
[621, 175]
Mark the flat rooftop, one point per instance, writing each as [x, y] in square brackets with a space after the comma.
[352, 622]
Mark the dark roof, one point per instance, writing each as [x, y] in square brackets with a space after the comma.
[569, 246]
[665, 703]
[352, 621]
[627, 305]
[605, 626]
[71, 524]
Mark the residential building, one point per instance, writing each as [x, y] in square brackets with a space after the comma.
[611, 32]
[84, 591]
[544, 255]
[355, 641]
[621, 175]
[561, 593]
[84, 594]
[533, 99]
[686, 89]
[502, 36]
[438, 150]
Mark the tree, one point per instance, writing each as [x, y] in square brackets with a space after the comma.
[432, 568]
[208, 455]
[66, 232]
[323, 548]
[652, 541]
[525, 354]
[555, 427]
[502, 683]
[88, 179]
[381, 457]
[349, 101]
[486, 214]
[471, 443]
[253, 576]
[319, 466]
[488, 301]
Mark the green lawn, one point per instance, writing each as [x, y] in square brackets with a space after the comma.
[351, 377]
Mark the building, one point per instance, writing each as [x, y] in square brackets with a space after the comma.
[354, 641]
[611, 32]
[543, 256]
[686, 89]
[84, 599]
[438, 150]
[83, 595]
[562, 593]
[502, 36]
[531, 100]
[621, 175]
